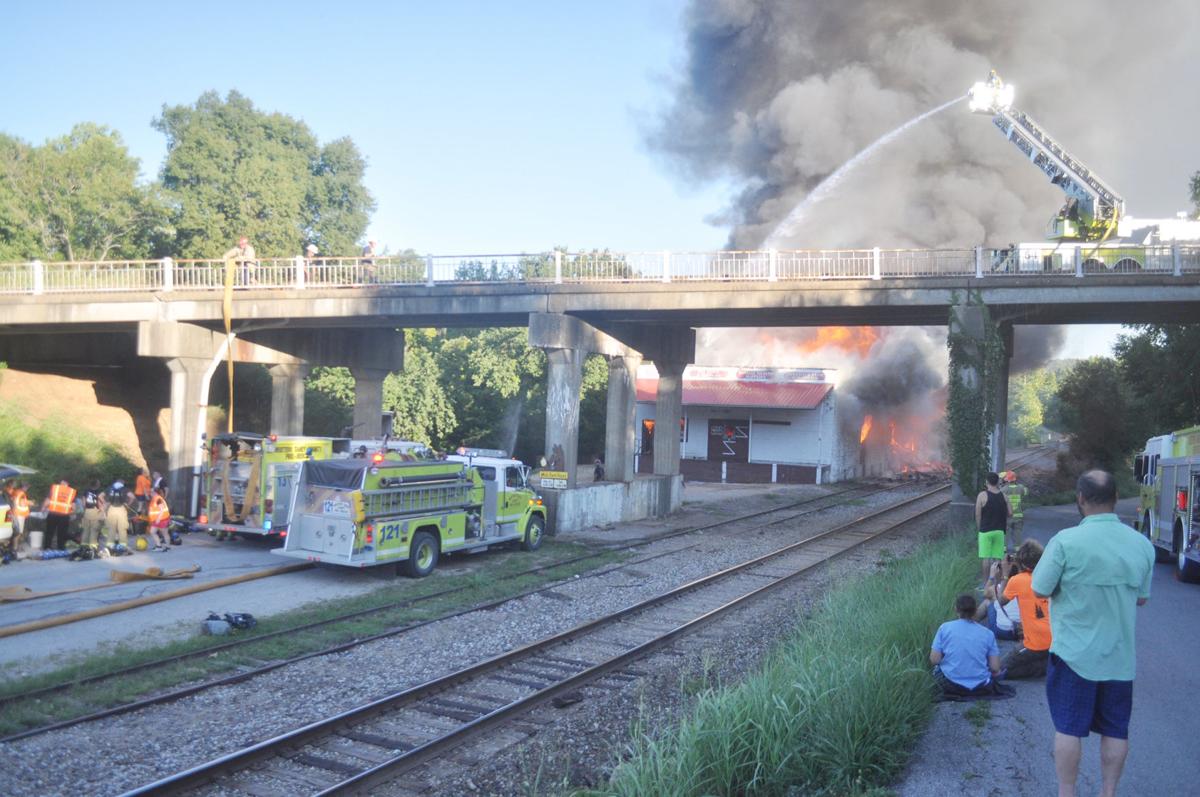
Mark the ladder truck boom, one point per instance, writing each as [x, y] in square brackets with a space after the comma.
[1093, 208]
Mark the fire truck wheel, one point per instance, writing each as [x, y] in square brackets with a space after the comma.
[1160, 556]
[1187, 570]
[422, 555]
[533, 534]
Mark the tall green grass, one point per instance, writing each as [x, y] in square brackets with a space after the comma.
[59, 449]
[836, 709]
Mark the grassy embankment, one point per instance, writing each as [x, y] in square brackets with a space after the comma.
[498, 577]
[836, 709]
[59, 449]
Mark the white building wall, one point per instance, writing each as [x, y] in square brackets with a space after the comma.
[790, 437]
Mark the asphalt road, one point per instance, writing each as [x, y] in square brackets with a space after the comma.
[1010, 752]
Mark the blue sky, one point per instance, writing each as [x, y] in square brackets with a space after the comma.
[488, 127]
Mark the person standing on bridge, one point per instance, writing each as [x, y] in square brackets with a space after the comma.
[368, 261]
[242, 256]
[991, 518]
[1014, 493]
[1095, 574]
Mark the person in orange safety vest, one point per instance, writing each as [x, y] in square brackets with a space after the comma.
[59, 505]
[20, 511]
[160, 519]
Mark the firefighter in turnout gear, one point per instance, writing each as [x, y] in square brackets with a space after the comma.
[1015, 492]
[59, 505]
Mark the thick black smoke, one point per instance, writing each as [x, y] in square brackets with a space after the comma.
[776, 94]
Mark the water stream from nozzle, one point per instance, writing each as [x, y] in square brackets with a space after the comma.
[826, 186]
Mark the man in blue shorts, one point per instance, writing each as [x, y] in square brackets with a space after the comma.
[1095, 575]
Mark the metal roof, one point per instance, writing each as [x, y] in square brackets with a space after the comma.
[729, 393]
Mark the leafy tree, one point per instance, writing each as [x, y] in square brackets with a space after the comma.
[328, 401]
[1099, 411]
[416, 395]
[76, 198]
[1161, 365]
[234, 170]
[1195, 188]
[1030, 396]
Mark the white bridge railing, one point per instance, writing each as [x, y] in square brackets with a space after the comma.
[806, 265]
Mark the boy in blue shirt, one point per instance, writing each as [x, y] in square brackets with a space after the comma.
[964, 653]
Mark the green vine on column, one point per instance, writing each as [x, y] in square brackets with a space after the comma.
[970, 411]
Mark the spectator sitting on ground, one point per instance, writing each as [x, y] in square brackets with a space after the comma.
[1002, 617]
[964, 654]
[1029, 660]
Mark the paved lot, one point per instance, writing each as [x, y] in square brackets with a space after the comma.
[1011, 754]
[178, 618]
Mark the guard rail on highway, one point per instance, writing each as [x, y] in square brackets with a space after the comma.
[766, 265]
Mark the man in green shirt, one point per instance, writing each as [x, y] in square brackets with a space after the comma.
[1095, 576]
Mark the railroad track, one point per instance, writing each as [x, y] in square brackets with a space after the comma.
[359, 749]
[785, 512]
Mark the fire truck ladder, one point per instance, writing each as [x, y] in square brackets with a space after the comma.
[1064, 170]
[417, 498]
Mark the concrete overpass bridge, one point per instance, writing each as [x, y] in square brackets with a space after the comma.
[294, 313]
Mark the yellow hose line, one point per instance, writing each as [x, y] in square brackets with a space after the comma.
[227, 311]
[50, 622]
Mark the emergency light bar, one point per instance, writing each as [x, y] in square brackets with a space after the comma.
[462, 451]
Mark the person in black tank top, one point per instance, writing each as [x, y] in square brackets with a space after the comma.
[991, 517]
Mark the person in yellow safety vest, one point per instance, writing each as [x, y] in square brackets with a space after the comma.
[160, 520]
[1015, 493]
[59, 505]
[20, 511]
[94, 508]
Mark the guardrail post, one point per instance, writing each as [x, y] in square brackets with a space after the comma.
[299, 275]
[39, 277]
[876, 264]
[772, 265]
[557, 267]
[1176, 258]
[429, 270]
[1079, 261]
[666, 275]
[168, 274]
[979, 262]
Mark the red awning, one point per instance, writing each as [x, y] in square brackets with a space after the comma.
[729, 393]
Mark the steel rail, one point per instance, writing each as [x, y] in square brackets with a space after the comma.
[240, 759]
[246, 674]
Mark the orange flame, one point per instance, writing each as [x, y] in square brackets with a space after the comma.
[866, 429]
[855, 340]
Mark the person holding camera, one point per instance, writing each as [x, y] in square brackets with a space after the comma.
[1002, 617]
[1029, 660]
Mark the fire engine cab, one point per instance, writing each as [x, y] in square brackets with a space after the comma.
[1168, 471]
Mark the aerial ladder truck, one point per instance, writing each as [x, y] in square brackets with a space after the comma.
[1091, 228]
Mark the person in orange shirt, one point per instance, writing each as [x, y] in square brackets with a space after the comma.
[59, 506]
[141, 489]
[1030, 660]
[160, 521]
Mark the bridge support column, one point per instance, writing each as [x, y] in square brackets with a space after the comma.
[564, 376]
[967, 320]
[619, 432]
[999, 441]
[187, 379]
[287, 399]
[368, 402]
[668, 414]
